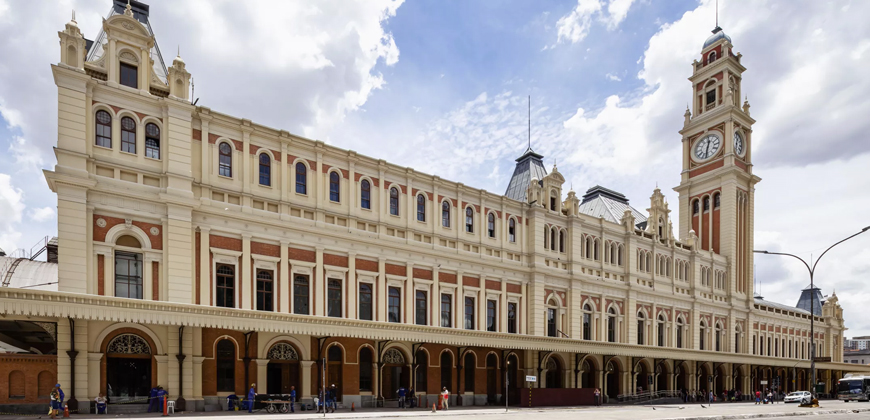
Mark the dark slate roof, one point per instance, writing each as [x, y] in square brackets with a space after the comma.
[718, 34]
[140, 12]
[529, 165]
[761, 301]
[611, 205]
[813, 295]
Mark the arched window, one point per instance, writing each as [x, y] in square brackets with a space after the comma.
[706, 204]
[446, 370]
[611, 325]
[469, 313]
[661, 331]
[226, 366]
[334, 187]
[470, 370]
[365, 196]
[512, 230]
[394, 201]
[469, 220]
[103, 131]
[695, 207]
[422, 360]
[587, 322]
[225, 160]
[551, 319]
[366, 369]
[703, 334]
[561, 241]
[490, 225]
[301, 181]
[718, 340]
[679, 333]
[595, 246]
[128, 75]
[128, 135]
[717, 200]
[546, 237]
[619, 256]
[152, 141]
[641, 326]
[265, 170]
[648, 259]
[589, 247]
[553, 200]
[421, 208]
[265, 290]
[226, 285]
[553, 237]
[711, 57]
[445, 214]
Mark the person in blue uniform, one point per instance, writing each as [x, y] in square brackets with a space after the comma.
[161, 396]
[101, 404]
[251, 394]
[292, 399]
[152, 400]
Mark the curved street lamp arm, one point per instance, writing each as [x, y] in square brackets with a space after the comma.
[794, 256]
[829, 248]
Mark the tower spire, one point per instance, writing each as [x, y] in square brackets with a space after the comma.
[530, 122]
[717, 13]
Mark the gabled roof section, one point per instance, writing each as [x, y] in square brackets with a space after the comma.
[140, 12]
[529, 165]
[611, 205]
[761, 301]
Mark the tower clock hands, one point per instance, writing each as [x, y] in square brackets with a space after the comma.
[707, 152]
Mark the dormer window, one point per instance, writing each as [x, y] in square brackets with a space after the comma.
[553, 203]
[129, 75]
[711, 97]
[712, 57]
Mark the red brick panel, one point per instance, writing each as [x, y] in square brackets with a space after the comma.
[155, 280]
[100, 233]
[366, 265]
[301, 255]
[447, 278]
[335, 260]
[197, 134]
[26, 378]
[197, 241]
[470, 281]
[101, 275]
[396, 270]
[514, 288]
[422, 273]
[265, 249]
[223, 242]
[493, 285]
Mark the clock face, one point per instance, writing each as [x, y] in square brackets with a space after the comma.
[707, 146]
[739, 145]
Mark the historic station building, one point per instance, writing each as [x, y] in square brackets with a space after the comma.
[205, 252]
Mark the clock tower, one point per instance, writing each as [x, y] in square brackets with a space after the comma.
[717, 187]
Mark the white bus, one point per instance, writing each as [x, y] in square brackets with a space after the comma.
[853, 388]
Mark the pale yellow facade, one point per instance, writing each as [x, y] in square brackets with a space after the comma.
[192, 218]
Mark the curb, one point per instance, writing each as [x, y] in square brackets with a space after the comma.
[772, 415]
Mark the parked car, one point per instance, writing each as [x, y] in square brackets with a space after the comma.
[797, 397]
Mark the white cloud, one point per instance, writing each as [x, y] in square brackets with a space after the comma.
[11, 208]
[41, 214]
[574, 26]
[612, 77]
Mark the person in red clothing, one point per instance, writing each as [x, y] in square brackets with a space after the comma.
[757, 397]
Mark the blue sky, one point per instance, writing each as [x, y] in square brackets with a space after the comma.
[442, 87]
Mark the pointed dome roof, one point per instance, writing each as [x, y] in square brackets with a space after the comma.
[718, 34]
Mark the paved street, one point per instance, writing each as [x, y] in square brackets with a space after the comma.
[829, 410]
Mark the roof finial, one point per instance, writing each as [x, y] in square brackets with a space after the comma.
[179, 50]
[530, 122]
[129, 9]
[717, 13]
[74, 15]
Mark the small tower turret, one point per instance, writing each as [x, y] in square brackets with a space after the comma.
[72, 45]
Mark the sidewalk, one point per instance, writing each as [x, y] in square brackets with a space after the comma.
[719, 411]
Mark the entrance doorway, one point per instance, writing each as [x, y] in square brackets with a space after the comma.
[334, 360]
[514, 381]
[128, 368]
[282, 372]
[491, 380]
[612, 381]
[395, 372]
[554, 373]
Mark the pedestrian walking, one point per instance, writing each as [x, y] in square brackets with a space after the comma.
[252, 393]
[331, 397]
[318, 401]
[411, 398]
[445, 395]
[401, 393]
[55, 401]
[710, 397]
[292, 399]
[597, 396]
[101, 404]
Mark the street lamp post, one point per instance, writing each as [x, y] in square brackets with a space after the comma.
[812, 270]
[507, 369]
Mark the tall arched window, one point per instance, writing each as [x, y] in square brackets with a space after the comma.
[641, 326]
[717, 200]
[365, 197]
[365, 369]
[265, 170]
[152, 141]
[553, 237]
[546, 237]
[421, 208]
[265, 290]
[619, 256]
[446, 370]
[561, 241]
[712, 57]
[421, 369]
[445, 214]
[394, 308]
[718, 340]
[706, 204]
[661, 331]
[695, 207]
[226, 285]
[128, 135]
[512, 230]
[470, 370]
[611, 325]
[679, 333]
[587, 322]
[226, 366]
[595, 246]
[301, 178]
[469, 220]
[394, 201]
[490, 225]
[225, 160]
[103, 131]
[703, 333]
[334, 187]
